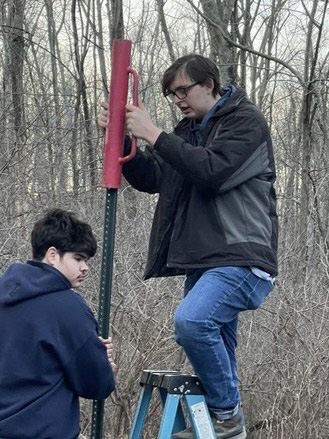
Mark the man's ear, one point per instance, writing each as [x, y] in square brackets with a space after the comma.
[209, 84]
[51, 256]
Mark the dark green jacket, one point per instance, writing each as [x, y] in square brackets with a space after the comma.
[217, 203]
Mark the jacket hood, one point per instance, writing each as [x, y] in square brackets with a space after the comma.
[22, 281]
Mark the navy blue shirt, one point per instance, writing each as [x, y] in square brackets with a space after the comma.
[50, 354]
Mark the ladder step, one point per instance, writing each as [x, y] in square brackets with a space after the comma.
[176, 391]
[173, 381]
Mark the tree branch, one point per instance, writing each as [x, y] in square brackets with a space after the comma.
[246, 48]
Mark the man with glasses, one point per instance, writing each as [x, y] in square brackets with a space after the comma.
[215, 220]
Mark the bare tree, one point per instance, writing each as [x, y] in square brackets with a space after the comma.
[55, 67]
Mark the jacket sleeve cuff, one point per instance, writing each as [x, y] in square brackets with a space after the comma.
[160, 140]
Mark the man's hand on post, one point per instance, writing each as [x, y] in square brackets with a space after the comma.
[103, 116]
[139, 123]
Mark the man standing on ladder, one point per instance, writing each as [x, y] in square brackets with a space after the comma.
[215, 220]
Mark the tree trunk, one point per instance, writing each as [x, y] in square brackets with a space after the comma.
[16, 56]
[221, 51]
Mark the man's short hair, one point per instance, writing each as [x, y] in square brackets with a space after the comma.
[197, 67]
[64, 231]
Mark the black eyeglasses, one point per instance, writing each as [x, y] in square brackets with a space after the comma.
[180, 92]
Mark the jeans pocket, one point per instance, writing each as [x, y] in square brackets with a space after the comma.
[259, 293]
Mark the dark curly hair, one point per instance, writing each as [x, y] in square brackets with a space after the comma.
[64, 231]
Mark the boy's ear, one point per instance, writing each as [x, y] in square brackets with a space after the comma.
[51, 256]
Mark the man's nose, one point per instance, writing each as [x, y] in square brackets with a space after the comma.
[84, 266]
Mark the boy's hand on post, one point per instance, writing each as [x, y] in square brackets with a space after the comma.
[109, 350]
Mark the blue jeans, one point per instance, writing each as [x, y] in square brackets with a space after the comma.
[206, 324]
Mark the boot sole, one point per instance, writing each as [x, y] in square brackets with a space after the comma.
[241, 435]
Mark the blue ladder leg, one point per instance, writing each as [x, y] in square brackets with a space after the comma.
[178, 416]
[168, 416]
[199, 415]
[141, 412]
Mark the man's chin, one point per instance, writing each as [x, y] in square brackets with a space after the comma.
[189, 114]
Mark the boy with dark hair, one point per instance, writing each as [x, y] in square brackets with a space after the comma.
[50, 351]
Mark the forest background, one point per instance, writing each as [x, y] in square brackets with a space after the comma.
[54, 70]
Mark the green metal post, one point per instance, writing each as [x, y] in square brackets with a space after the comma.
[112, 168]
[105, 295]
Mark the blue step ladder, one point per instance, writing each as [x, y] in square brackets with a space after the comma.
[176, 390]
